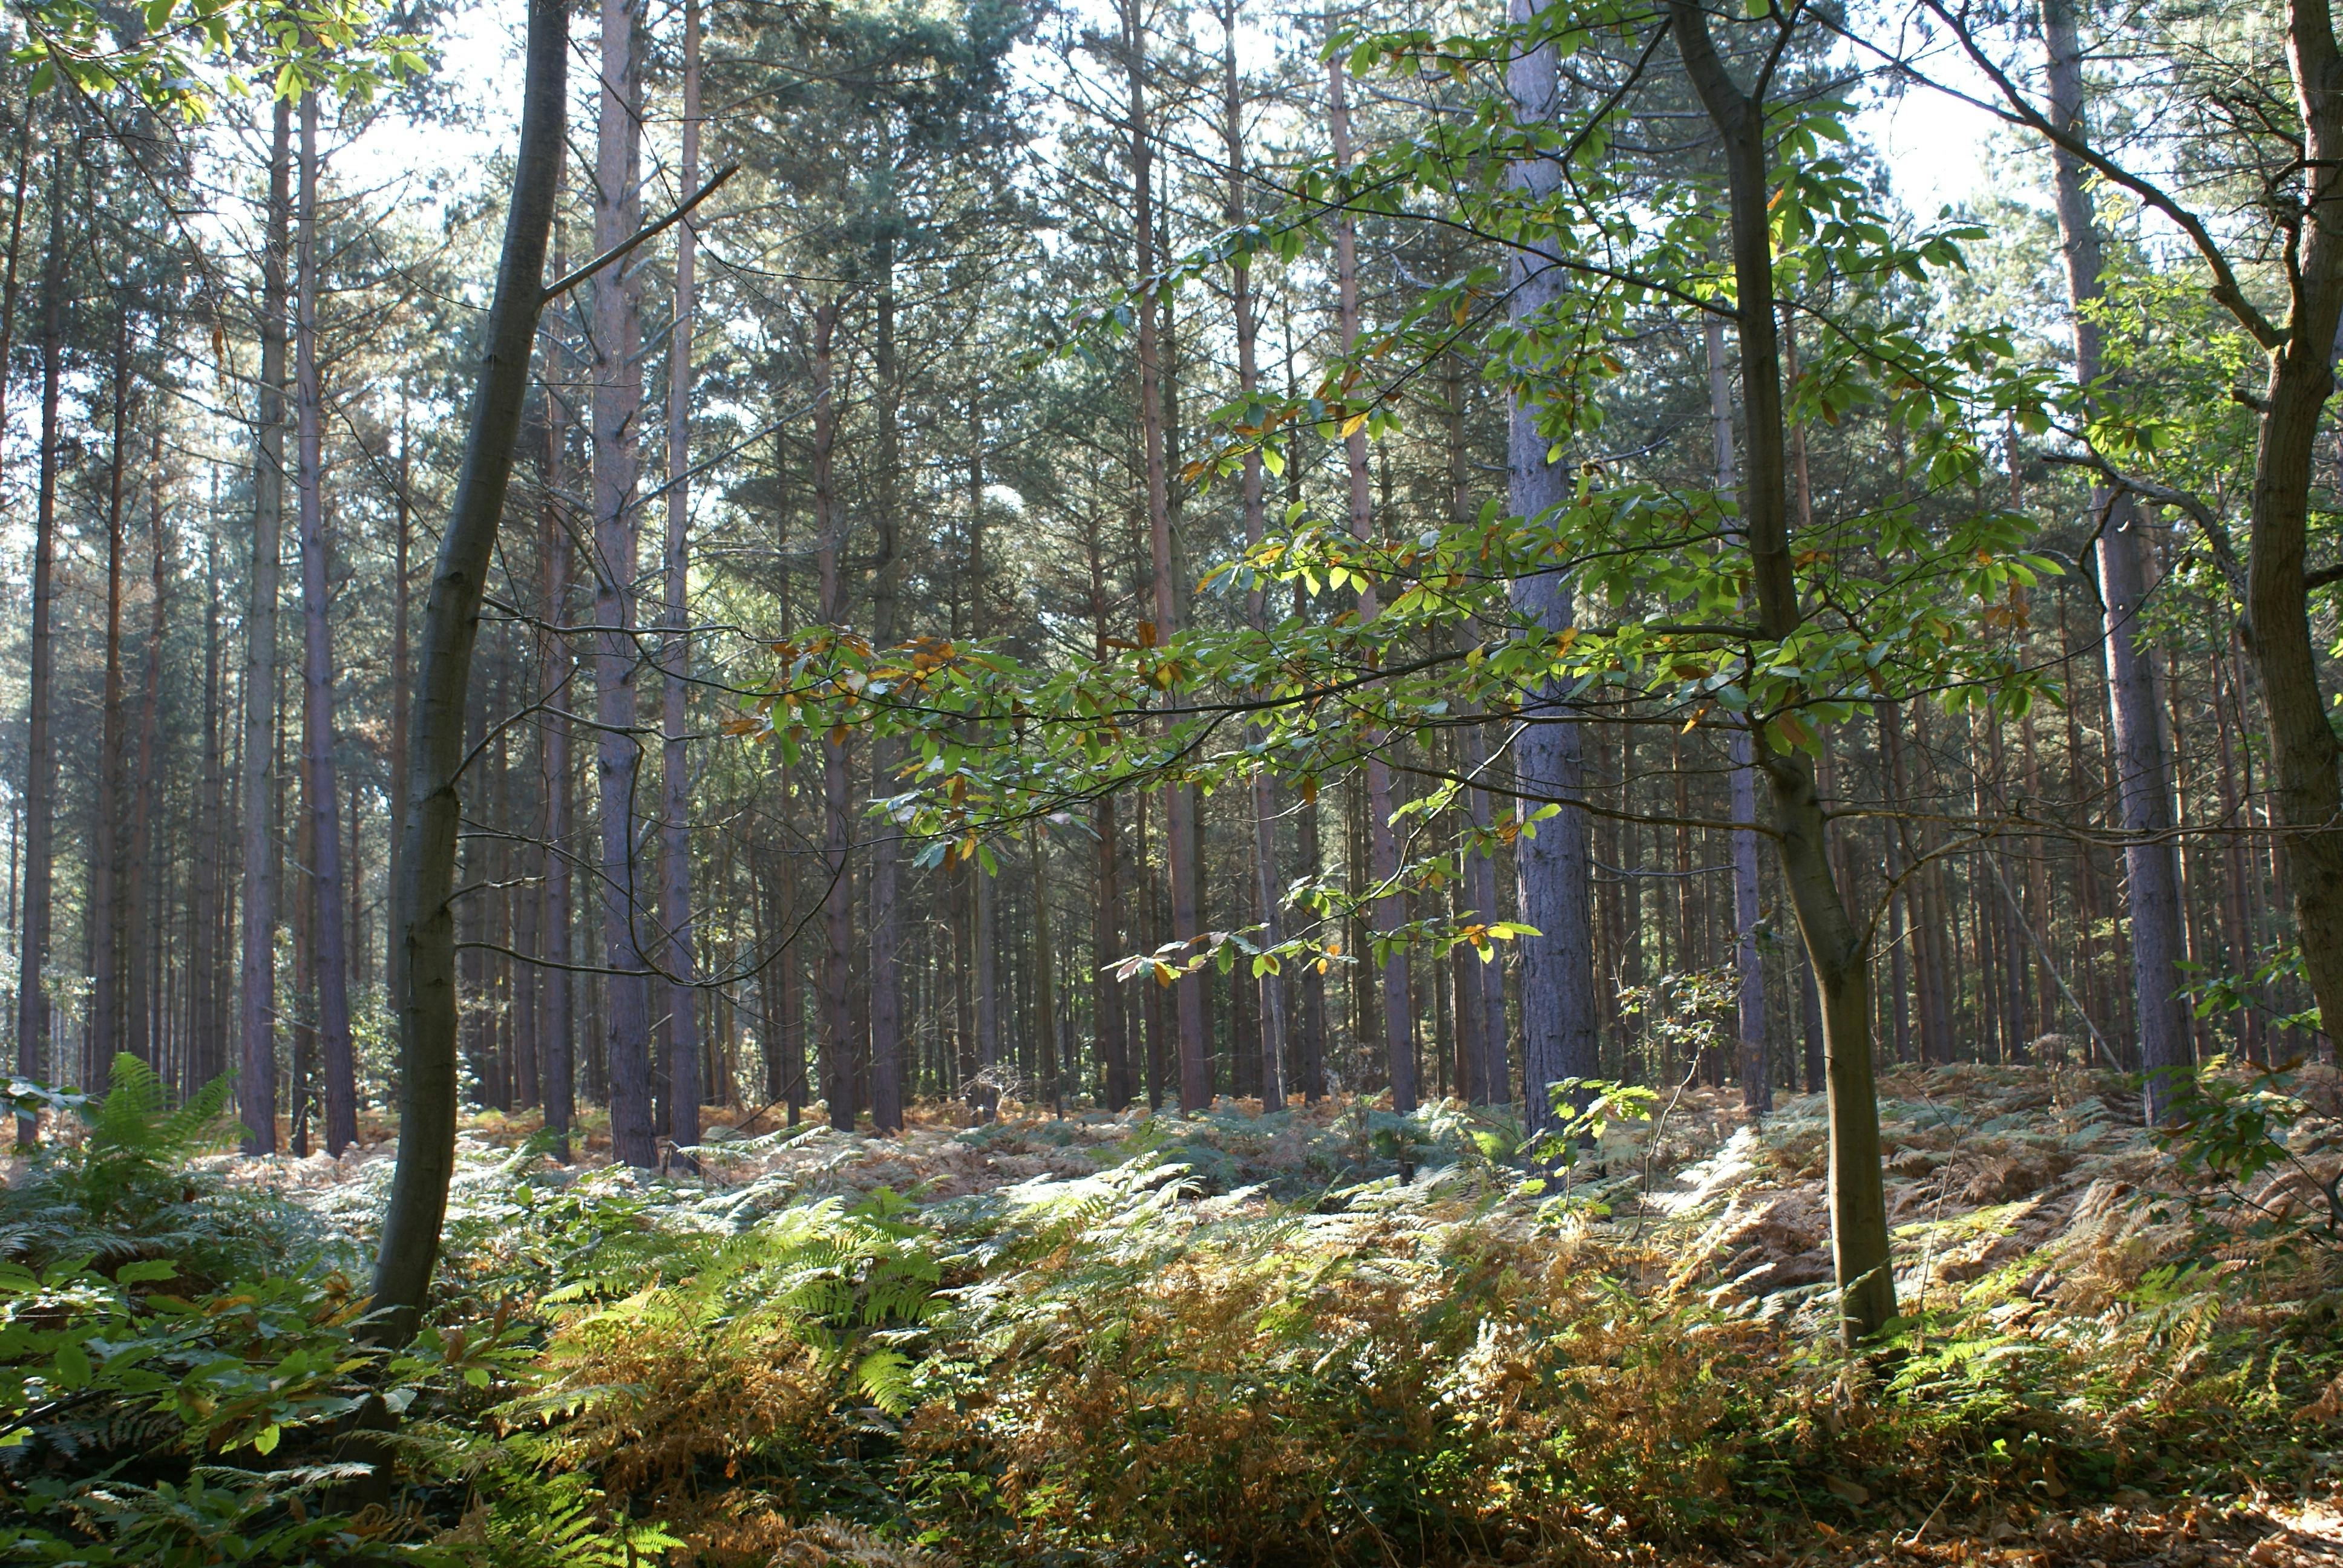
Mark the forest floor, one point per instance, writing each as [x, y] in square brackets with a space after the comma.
[1333, 1335]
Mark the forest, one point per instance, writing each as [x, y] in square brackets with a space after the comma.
[967, 782]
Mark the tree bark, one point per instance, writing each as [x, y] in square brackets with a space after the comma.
[423, 921]
[685, 1090]
[1382, 840]
[1755, 1070]
[320, 783]
[617, 380]
[257, 1082]
[147, 1033]
[886, 933]
[106, 1033]
[1559, 1038]
[1178, 799]
[837, 891]
[2142, 755]
[1837, 946]
[1275, 1070]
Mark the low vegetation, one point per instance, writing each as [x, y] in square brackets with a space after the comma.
[1237, 1338]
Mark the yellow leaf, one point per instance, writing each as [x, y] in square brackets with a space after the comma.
[1351, 425]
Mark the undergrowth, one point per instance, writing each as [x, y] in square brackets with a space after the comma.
[1396, 1351]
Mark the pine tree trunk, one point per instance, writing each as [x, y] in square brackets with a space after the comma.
[685, 1090]
[320, 785]
[836, 973]
[1558, 1029]
[617, 380]
[1276, 1072]
[106, 1033]
[422, 921]
[257, 1082]
[146, 1033]
[885, 934]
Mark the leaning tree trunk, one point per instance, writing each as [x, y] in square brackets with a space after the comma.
[2301, 377]
[318, 782]
[40, 742]
[2143, 760]
[685, 1090]
[1558, 1016]
[423, 918]
[618, 402]
[257, 1082]
[1839, 949]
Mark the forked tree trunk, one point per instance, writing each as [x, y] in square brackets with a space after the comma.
[684, 1089]
[319, 782]
[256, 1081]
[1837, 946]
[1382, 839]
[423, 920]
[1558, 1020]
[619, 753]
[2142, 759]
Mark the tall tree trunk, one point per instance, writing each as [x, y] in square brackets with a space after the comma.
[1275, 1071]
[40, 744]
[618, 407]
[1382, 839]
[684, 1088]
[886, 853]
[1559, 1038]
[1178, 799]
[203, 1045]
[320, 783]
[1045, 985]
[257, 1082]
[147, 1033]
[402, 546]
[423, 921]
[558, 1063]
[106, 1033]
[1837, 946]
[1755, 1071]
[838, 892]
[2142, 757]
[984, 1098]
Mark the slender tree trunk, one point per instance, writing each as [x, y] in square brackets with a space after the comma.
[1275, 1070]
[684, 1089]
[2143, 758]
[1559, 1038]
[147, 1035]
[203, 1045]
[320, 784]
[40, 742]
[837, 891]
[617, 379]
[1836, 945]
[886, 933]
[1179, 801]
[558, 1063]
[423, 920]
[106, 1033]
[1382, 839]
[1045, 985]
[257, 1083]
